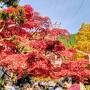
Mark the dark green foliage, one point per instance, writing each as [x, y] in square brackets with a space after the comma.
[8, 3]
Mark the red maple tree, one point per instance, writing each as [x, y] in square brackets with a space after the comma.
[29, 45]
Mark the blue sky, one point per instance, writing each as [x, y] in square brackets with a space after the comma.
[70, 13]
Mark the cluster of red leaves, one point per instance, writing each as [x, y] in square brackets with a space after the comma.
[33, 31]
[38, 44]
[20, 20]
[69, 53]
[32, 63]
[72, 68]
[56, 32]
[15, 63]
[6, 48]
[36, 64]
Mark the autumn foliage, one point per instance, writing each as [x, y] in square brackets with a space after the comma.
[29, 45]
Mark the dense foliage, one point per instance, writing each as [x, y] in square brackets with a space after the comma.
[83, 38]
[30, 46]
[9, 3]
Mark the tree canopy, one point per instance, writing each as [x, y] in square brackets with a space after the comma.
[30, 45]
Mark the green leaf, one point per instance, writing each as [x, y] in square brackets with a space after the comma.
[4, 15]
[68, 43]
[72, 40]
[63, 40]
[1, 81]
